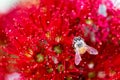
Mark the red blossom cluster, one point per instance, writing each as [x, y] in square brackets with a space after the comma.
[36, 41]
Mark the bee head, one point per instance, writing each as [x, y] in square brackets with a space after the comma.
[78, 42]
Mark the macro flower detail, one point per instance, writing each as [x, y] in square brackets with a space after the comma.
[50, 40]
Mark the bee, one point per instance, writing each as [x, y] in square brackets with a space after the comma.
[80, 48]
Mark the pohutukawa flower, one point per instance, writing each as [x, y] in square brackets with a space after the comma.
[36, 40]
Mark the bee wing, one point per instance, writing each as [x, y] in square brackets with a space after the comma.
[92, 50]
[77, 58]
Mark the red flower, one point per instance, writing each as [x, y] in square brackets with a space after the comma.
[36, 42]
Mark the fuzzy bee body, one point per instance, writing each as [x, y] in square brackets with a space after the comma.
[80, 48]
